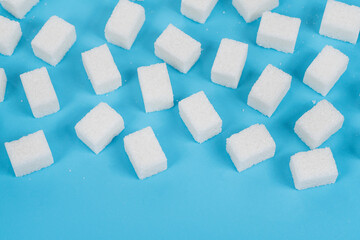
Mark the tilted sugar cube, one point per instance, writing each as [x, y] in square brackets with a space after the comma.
[29, 154]
[10, 35]
[229, 63]
[145, 153]
[313, 168]
[250, 146]
[200, 117]
[318, 124]
[101, 69]
[325, 70]
[177, 49]
[3, 81]
[18, 8]
[156, 87]
[269, 90]
[278, 32]
[124, 24]
[197, 10]
[251, 10]
[40, 92]
[54, 40]
[99, 126]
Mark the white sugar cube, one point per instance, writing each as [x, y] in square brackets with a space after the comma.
[145, 153]
[229, 63]
[101, 69]
[99, 126]
[269, 90]
[10, 34]
[177, 49]
[18, 8]
[200, 117]
[278, 32]
[325, 70]
[3, 81]
[313, 168]
[197, 10]
[29, 154]
[251, 10]
[124, 24]
[40, 92]
[156, 87]
[54, 40]
[318, 124]
[250, 146]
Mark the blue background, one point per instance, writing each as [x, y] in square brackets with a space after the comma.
[200, 195]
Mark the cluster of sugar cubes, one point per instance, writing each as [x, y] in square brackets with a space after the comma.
[198, 11]
[18, 8]
[10, 35]
[3, 81]
[251, 10]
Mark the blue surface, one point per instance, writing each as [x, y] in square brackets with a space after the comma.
[201, 195]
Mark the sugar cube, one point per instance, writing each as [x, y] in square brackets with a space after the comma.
[156, 87]
[101, 69]
[250, 146]
[318, 124]
[197, 10]
[200, 117]
[177, 48]
[54, 40]
[3, 81]
[278, 32]
[10, 35]
[40, 92]
[229, 63]
[269, 90]
[313, 168]
[29, 153]
[251, 10]
[124, 24]
[145, 153]
[18, 8]
[99, 126]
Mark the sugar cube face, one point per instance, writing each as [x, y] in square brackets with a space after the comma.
[200, 117]
[99, 126]
[3, 81]
[18, 8]
[124, 24]
[197, 10]
[341, 21]
[269, 90]
[318, 124]
[177, 49]
[156, 87]
[251, 10]
[40, 92]
[10, 35]
[229, 63]
[101, 69]
[54, 40]
[313, 168]
[250, 146]
[278, 32]
[145, 153]
[29, 154]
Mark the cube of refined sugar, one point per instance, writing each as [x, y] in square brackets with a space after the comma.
[325, 70]
[198, 10]
[29, 153]
[40, 92]
[3, 81]
[278, 32]
[251, 10]
[313, 168]
[269, 90]
[250, 146]
[156, 87]
[124, 24]
[10, 35]
[229, 63]
[18, 8]
[145, 153]
[54, 40]
[177, 48]
[99, 126]
[101, 69]
[318, 124]
[200, 117]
